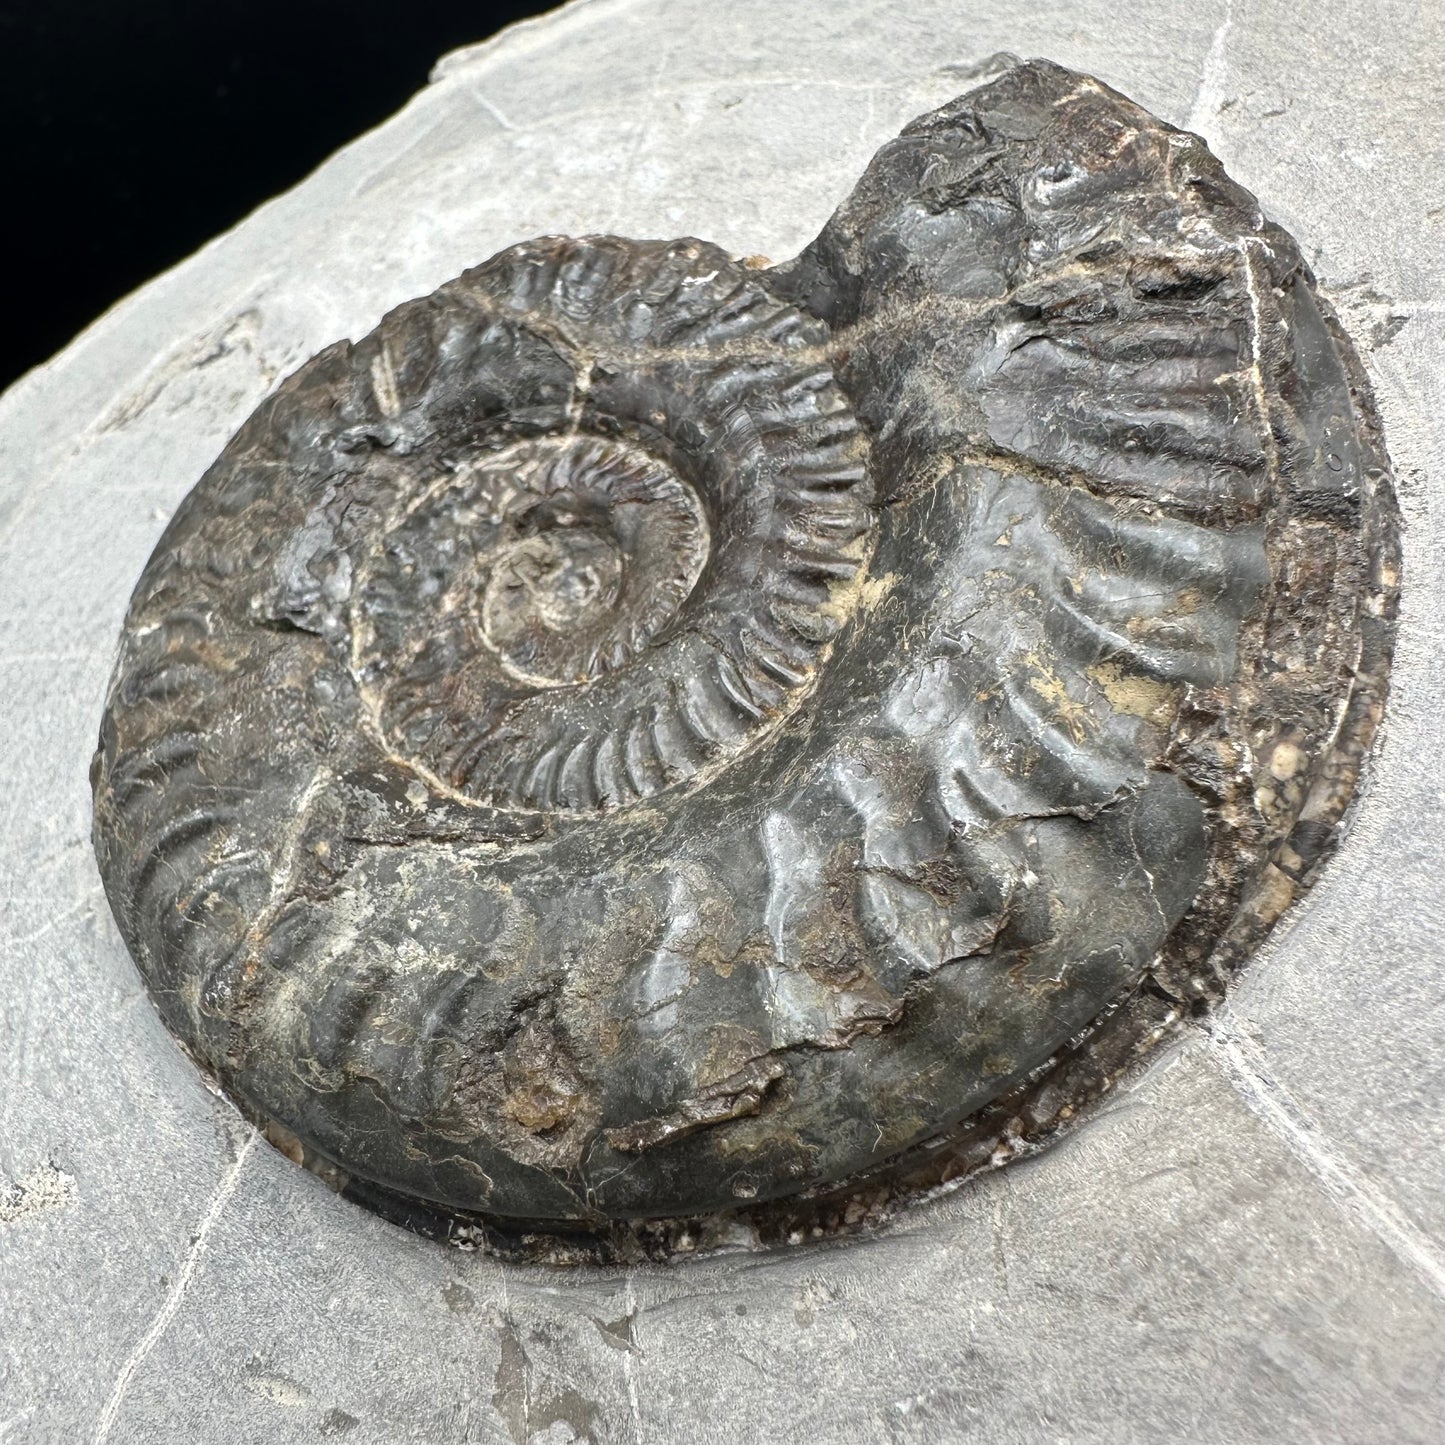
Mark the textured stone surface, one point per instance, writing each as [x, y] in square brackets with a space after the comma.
[1246, 1246]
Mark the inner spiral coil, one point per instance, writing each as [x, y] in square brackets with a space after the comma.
[638, 558]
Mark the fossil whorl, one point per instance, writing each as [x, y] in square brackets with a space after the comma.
[640, 733]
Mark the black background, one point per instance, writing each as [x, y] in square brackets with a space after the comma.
[132, 131]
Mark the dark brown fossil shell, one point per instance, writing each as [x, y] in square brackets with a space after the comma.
[642, 736]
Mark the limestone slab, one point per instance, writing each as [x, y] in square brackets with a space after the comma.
[1248, 1244]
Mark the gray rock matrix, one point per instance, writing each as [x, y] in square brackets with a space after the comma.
[1243, 1243]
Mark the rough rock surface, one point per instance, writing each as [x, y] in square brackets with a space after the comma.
[1246, 1244]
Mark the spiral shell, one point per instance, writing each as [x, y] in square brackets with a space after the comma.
[640, 735]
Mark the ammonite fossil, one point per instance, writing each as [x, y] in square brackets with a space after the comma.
[643, 735]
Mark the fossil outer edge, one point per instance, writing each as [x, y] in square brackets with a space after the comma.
[643, 735]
